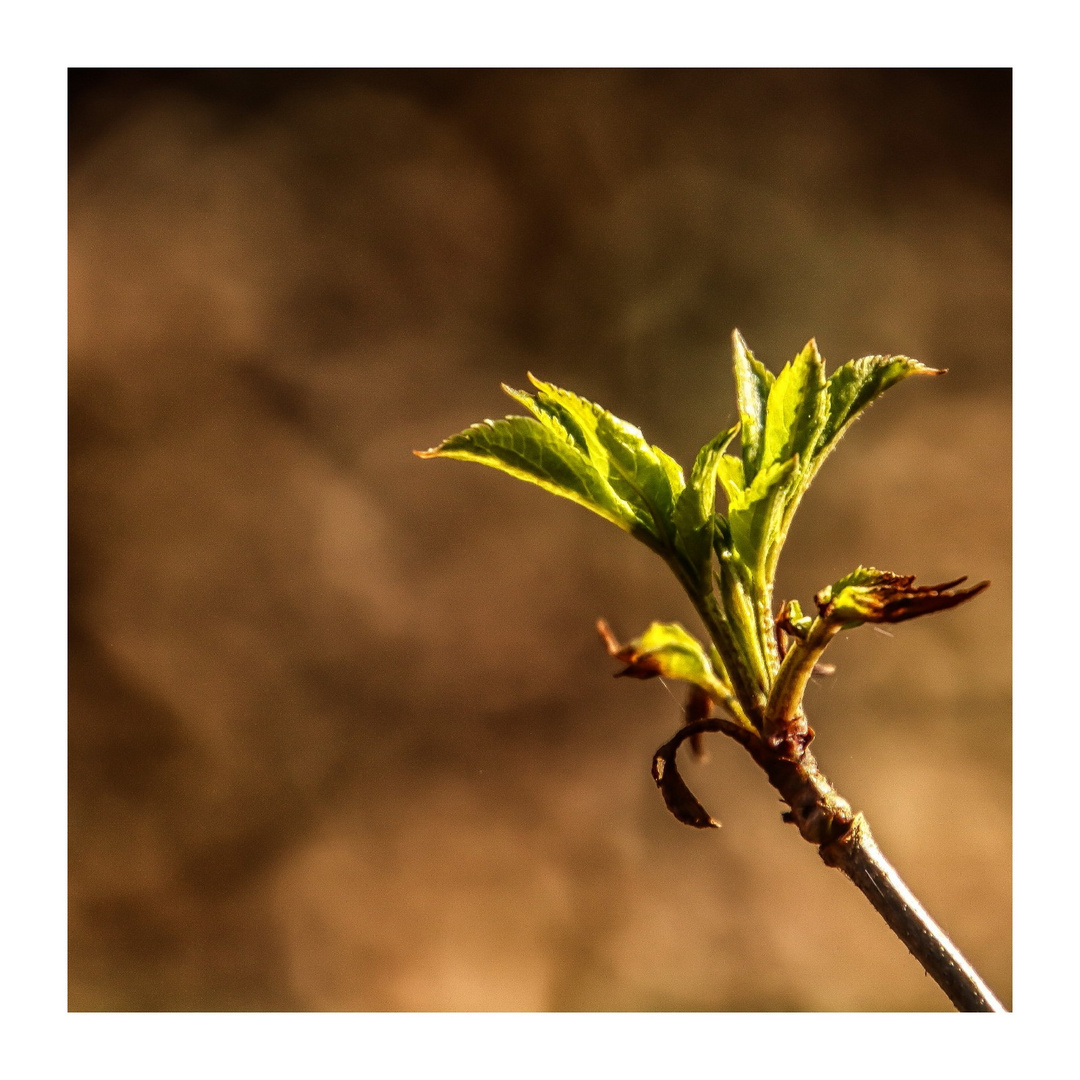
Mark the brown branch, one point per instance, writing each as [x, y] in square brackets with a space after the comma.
[858, 857]
[823, 817]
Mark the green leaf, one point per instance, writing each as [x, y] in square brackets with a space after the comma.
[796, 410]
[638, 474]
[777, 462]
[695, 505]
[846, 393]
[542, 454]
[753, 383]
[552, 414]
[731, 474]
[641, 475]
[754, 513]
[668, 650]
[673, 471]
[856, 384]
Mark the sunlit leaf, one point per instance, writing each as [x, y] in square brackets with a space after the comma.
[542, 455]
[797, 409]
[640, 475]
[673, 471]
[753, 382]
[731, 475]
[753, 512]
[695, 506]
[668, 650]
[856, 384]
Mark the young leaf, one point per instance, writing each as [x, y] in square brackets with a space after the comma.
[639, 474]
[796, 409]
[857, 383]
[543, 455]
[695, 505]
[731, 474]
[753, 383]
[783, 418]
[846, 393]
[668, 650]
[552, 414]
[673, 471]
[753, 513]
[878, 596]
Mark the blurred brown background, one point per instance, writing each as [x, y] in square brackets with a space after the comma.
[342, 734]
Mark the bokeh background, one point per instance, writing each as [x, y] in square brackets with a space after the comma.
[342, 734]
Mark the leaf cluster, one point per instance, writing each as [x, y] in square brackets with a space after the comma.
[724, 555]
[574, 448]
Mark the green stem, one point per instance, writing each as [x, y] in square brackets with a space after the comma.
[783, 715]
[766, 625]
[738, 604]
[728, 640]
[756, 604]
[751, 694]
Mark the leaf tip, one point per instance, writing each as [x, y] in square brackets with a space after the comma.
[433, 452]
[917, 367]
[739, 347]
[611, 643]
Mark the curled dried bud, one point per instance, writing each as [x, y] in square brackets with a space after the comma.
[678, 797]
[878, 596]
